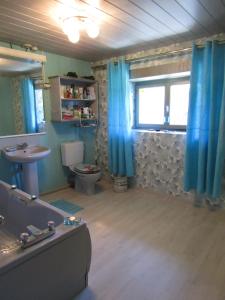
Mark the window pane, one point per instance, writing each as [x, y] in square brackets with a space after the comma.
[151, 105]
[39, 106]
[179, 99]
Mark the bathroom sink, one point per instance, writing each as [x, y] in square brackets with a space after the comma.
[29, 154]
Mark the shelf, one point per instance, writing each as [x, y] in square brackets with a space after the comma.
[61, 104]
[78, 120]
[76, 80]
[74, 99]
[88, 126]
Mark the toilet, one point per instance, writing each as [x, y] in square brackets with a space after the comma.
[86, 175]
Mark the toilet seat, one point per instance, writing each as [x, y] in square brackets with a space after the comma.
[86, 169]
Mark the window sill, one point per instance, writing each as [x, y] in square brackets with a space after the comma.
[172, 132]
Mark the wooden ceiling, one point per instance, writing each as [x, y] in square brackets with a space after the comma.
[125, 25]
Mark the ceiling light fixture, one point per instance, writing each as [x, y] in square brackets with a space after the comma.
[72, 26]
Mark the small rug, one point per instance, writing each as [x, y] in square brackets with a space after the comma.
[67, 206]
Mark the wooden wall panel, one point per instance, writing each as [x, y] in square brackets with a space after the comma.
[125, 25]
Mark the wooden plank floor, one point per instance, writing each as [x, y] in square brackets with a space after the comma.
[151, 246]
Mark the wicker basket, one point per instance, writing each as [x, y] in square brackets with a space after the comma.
[120, 184]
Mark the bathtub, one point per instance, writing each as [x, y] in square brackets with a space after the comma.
[55, 268]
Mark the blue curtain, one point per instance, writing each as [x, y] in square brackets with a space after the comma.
[205, 145]
[119, 120]
[28, 105]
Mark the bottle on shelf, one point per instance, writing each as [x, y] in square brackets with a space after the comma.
[91, 92]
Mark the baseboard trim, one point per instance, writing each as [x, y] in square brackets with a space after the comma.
[55, 190]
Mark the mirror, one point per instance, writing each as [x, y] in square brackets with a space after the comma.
[21, 98]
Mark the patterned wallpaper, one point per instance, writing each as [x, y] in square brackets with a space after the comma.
[159, 160]
[102, 131]
[17, 108]
[158, 155]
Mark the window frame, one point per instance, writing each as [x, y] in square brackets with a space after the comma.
[167, 82]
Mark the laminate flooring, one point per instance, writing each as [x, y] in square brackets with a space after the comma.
[151, 246]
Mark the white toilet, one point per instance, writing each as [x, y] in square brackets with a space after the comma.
[86, 175]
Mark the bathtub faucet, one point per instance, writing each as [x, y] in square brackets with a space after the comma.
[36, 235]
[2, 220]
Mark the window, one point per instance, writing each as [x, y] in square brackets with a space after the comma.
[39, 109]
[162, 104]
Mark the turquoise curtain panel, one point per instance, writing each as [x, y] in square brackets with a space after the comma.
[205, 144]
[119, 120]
[29, 110]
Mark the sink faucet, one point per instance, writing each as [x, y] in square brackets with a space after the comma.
[22, 146]
[16, 147]
[2, 220]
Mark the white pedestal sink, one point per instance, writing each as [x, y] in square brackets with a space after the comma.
[28, 157]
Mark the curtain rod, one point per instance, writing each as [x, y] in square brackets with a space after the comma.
[185, 50]
[103, 64]
[170, 53]
[158, 55]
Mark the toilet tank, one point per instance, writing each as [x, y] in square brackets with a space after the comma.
[72, 153]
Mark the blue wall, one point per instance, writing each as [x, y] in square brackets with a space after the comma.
[52, 175]
[6, 107]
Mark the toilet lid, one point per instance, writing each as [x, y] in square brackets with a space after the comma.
[87, 168]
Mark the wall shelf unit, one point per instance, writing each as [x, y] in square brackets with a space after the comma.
[74, 100]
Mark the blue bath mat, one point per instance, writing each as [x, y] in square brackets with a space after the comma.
[67, 206]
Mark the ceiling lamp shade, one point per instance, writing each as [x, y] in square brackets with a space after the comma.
[92, 29]
[68, 25]
[74, 36]
[71, 26]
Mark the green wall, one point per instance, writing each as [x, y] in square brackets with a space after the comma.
[6, 107]
[52, 175]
